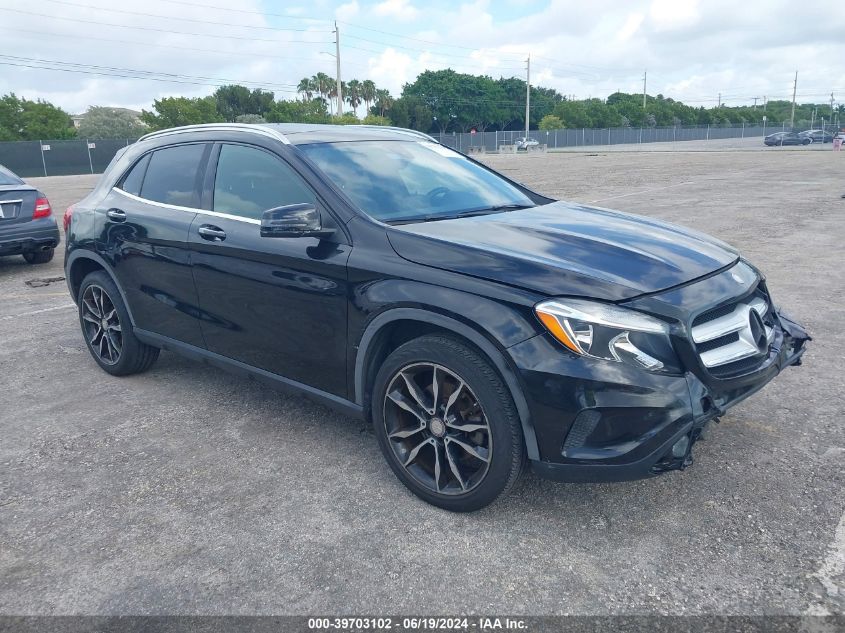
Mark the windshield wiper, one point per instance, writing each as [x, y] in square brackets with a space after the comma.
[499, 208]
[510, 207]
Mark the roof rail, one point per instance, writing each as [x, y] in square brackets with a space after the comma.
[222, 127]
[400, 129]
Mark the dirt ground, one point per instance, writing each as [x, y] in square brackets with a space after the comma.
[188, 490]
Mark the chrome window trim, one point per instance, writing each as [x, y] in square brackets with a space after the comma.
[219, 127]
[175, 207]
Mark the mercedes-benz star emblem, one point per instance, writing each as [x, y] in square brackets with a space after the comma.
[758, 330]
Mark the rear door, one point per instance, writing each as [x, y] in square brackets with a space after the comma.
[147, 219]
[276, 304]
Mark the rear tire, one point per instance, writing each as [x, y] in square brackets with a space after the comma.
[107, 328]
[39, 257]
[459, 445]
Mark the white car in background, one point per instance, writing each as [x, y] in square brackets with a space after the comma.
[525, 143]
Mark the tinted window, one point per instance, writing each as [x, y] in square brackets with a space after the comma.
[8, 178]
[132, 181]
[249, 181]
[172, 175]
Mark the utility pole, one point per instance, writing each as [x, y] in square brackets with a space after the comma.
[339, 84]
[755, 102]
[527, 93]
[831, 107]
[719, 101]
[765, 101]
[645, 74]
[794, 90]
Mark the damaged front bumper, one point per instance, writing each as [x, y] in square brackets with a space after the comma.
[616, 424]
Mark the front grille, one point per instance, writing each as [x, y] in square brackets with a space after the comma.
[715, 343]
[737, 368]
[711, 315]
[731, 339]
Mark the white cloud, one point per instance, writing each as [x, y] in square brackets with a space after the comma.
[631, 26]
[673, 14]
[401, 10]
[347, 11]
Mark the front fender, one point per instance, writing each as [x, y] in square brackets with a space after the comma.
[489, 325]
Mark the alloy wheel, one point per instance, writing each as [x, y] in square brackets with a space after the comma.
[437, 428]
[101, 324]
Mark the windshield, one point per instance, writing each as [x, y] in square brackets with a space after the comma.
[395, 181]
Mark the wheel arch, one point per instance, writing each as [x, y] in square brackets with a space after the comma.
[377, 334]
[80, 264]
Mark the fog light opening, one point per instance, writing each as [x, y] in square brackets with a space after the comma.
[680, 448]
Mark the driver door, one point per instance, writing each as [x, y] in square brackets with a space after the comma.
[278, 304]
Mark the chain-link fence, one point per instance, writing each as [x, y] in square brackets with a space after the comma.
[574, 137]
[64, 158]
[59, 158]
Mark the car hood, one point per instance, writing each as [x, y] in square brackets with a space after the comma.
[566, 249]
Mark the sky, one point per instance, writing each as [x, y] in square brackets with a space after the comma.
[691, 50]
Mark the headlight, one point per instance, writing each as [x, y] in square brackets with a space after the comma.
[598, 330]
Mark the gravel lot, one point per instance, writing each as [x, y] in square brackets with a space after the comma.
[187, 490]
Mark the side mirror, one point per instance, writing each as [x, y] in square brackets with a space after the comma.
[293, 220]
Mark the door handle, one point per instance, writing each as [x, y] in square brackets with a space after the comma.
[116, 215]
[211, 233]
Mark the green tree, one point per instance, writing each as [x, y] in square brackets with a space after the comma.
[313, 111]
[347, 118]
[234, 101]
[375, 119]
[250, 118]
[352, 94]
[321, 83]
[573, 114]
[176, 111]
[411, 112]
[102, 122]
[368, 92]
[306, 88]
[25, 120]
[382, 103]
[551, 122]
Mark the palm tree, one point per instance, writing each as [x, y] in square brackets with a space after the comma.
[321, 83]
[331, 93]
[383, 101]
[368, 92]
[306, 88]
[352, 94]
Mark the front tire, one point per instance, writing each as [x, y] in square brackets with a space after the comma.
[447, 424]
[107, 328]
[39, 257]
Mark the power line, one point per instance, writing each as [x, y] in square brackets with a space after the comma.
[173, 17]
[106, 74]
[247, 11]
[131, 73]
[75, 36]
[415, 39]
[314, 19]
[147, 28]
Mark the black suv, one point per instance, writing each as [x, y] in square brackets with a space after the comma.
[479, 325]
